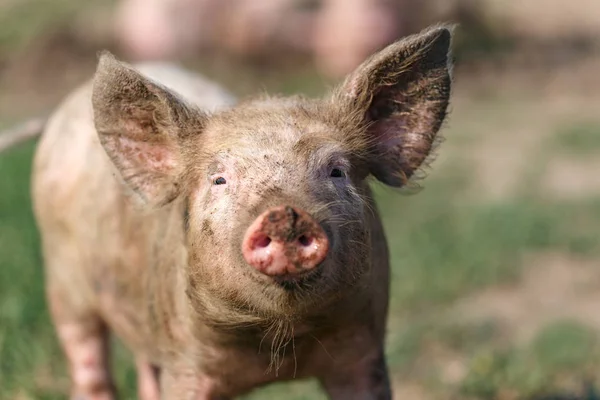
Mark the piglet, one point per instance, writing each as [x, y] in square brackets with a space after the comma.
[231, 244]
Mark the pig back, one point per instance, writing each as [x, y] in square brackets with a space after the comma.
[102, 251]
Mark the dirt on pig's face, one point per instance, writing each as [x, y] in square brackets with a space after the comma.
[277, 168]
[266, 154]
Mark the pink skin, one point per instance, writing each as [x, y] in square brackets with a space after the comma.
[145, 29]
[285, 241]
[164, 29]
[339, 36]
[147, 377]
[86, 346]
[347, 31]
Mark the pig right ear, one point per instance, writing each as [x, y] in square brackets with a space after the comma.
[400, 96]
[143, 128]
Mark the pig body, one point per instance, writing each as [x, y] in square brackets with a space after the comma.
[229, 245]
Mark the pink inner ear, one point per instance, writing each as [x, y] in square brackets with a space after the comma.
[146, 156]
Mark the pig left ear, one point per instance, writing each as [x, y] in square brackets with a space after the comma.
[401, 95]
[144, 128]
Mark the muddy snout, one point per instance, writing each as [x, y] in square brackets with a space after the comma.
[283, 241]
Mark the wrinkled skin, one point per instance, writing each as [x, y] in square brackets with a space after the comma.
[138, 239]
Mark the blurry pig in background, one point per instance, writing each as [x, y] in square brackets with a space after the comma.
[231, 245]
[339, 34]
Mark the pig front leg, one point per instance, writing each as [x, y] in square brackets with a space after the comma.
[84, 337]
[86, 347]
[184, 383]
[366, 380]
[147, 379]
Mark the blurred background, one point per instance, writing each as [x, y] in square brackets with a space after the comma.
[496, 262]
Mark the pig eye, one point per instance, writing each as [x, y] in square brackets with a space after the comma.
[337, 173]
[219, 181]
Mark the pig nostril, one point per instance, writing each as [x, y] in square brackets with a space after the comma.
[284, 242]
[263, 241]
[305, 241]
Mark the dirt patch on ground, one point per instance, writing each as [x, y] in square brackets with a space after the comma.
[503, 119]
[554, 286]
[572, 178]
[547, 18]
[412, 391]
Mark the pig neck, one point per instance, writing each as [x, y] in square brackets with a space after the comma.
[217, 322]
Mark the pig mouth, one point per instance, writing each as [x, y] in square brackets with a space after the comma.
[293, 282]
[302, 282]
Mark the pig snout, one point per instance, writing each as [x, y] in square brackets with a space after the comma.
[285, 241]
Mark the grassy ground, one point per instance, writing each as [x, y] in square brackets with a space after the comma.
[496, 263]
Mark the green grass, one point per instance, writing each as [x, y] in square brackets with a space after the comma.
[27, 346]
[450, 245]
[443, 246]
[582, 137]
[538, 368]
[23, 20]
